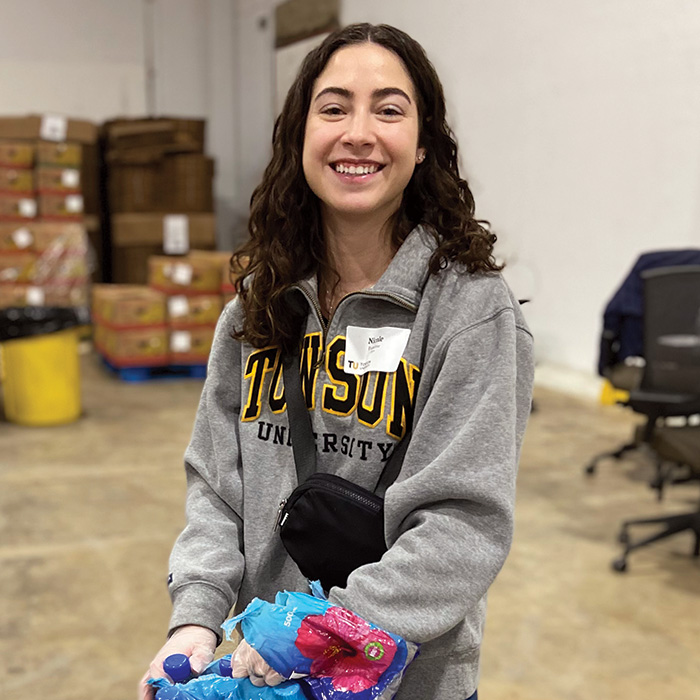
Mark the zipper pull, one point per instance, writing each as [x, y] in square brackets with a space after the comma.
[280, 510]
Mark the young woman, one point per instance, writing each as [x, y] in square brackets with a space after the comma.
[362, 222]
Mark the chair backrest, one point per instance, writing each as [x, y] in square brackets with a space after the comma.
[672, 329]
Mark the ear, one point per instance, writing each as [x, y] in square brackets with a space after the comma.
[420, 155]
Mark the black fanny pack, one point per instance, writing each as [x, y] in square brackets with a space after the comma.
[328, 525]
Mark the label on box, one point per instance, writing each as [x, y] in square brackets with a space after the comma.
[35, 296]
[181, 274]
[180, 341]
[178, 306]
[27, 208]
[176, 234]
[22, 237]
[54, 127]
[74, 203]
[70, 178]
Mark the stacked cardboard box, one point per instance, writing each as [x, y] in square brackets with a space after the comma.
[160, 185]
[129, 325]
[169, 322]
[44, 250]
[192, 284]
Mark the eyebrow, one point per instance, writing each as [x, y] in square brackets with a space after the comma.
[376, 94]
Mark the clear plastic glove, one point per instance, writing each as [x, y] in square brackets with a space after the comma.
[248, 662]
[199, 643]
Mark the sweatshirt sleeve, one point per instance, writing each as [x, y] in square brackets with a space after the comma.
[206, 562]
[449, 516]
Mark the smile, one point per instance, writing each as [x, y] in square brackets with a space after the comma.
[358, 169]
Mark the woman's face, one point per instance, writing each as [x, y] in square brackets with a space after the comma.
[361, 138]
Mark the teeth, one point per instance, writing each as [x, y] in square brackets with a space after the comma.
[355, 169]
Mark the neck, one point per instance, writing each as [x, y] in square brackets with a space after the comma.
[358, 251]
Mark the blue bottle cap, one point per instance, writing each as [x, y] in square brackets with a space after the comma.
[172, 692]
[177, 666]
[225, 666]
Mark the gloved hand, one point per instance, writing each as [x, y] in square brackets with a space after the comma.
[246, 661]
[199, 643]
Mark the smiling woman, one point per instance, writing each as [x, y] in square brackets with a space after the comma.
[366, 265]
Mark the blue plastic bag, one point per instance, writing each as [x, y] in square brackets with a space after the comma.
[214, 687]
[339, 655]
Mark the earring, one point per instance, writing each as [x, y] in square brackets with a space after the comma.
[420, 157]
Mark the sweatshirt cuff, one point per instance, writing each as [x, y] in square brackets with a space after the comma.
[199, 604]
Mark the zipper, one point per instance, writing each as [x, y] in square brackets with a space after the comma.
[321, 481]
[280, 511]
[380, 295]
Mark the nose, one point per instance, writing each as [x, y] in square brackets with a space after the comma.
[360, 130]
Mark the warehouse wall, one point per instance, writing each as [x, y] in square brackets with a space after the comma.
[578, 124]
[81, 57]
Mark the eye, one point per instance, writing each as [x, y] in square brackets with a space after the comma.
[390, 111]
[332, 111]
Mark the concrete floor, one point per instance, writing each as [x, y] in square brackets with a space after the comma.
[89, 511]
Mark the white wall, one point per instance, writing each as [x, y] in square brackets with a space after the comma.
[579, 128]
[79, 57]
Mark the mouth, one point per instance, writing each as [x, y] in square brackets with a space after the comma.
[356, 171]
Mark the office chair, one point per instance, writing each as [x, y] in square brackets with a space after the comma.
[667, 442]
[670, 387]
[622, 338]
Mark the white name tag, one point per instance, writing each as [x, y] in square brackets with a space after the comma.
[374, 349]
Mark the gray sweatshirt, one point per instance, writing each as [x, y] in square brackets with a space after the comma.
[465, 379]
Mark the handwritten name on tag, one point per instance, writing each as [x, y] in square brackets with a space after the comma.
[374, 349]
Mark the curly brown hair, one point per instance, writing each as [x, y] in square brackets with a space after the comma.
[286, 235]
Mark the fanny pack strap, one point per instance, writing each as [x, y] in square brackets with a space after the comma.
[303, 442]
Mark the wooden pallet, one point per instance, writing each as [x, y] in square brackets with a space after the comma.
[148, 374]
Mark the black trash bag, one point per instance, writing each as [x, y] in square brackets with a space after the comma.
[26, 321]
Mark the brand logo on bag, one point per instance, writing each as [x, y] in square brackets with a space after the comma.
[374, 651]
[290, 617]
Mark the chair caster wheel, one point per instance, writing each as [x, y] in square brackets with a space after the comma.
[620, 565]
[590, 470]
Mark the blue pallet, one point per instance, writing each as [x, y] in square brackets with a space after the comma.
[147, 374]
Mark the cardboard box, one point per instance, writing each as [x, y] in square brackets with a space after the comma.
[16, 154]
[67, 155]
[134, 188]
[223, 259]
[186, 183]
[183, 275]
[187, 311]
[148, 140]
[14, 295]
[17, 207]
[48, 126]
[59, 236]
[57, 179]
[198, 230]
[17, 236]
[60, 206]
[122, 305]
[64, 267]
[17, 180]
[60, 294]
[190, 346]
[134, 347]
[17, 267]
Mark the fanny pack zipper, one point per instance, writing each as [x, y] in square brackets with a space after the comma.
[324, 485]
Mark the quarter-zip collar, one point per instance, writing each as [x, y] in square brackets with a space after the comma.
[404, 278]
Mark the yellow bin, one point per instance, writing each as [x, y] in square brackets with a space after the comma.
[41, 378]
